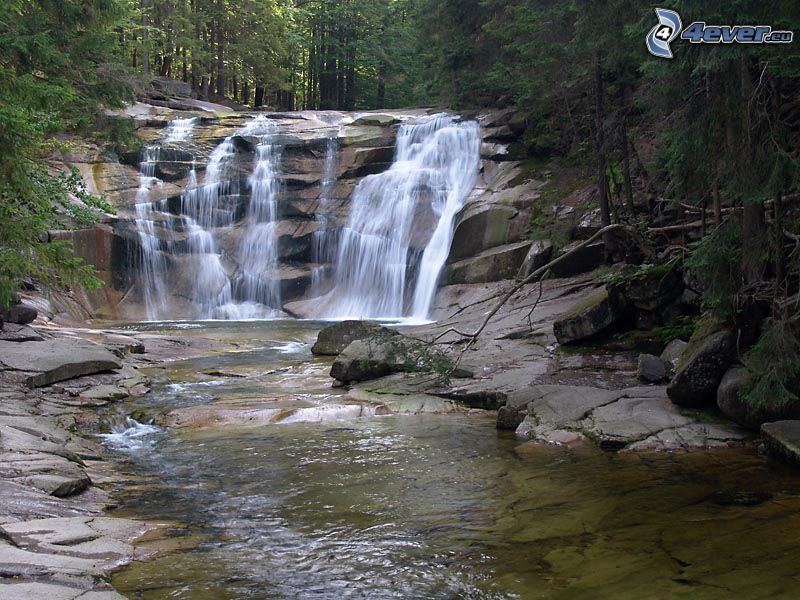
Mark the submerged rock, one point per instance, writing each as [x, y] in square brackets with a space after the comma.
[587, 318]
[700, 372]
[332, 340]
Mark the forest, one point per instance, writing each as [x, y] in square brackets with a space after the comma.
[710, 137]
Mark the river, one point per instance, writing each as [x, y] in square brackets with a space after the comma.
[428, 506]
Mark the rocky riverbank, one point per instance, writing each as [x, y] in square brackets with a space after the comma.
[57, 482]
[545, 392]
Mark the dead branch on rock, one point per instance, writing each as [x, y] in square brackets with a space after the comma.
[539, 273]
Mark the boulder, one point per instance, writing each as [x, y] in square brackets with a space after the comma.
[385, 353]
[672, 354]
[172, 87]
[495, 264]
[376, 120]
[653, 292]
[701, 369]
[586, 259]
[538, 255]
[651, 368]
[332, 340]
[782, 440]
[20, 314]
[587, 318]
[56, 360]
[368, 359]
[738, 410]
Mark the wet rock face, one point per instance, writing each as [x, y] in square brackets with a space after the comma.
[700, 373]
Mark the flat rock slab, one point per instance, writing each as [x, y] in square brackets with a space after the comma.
[639, 418]
[54, 591]
[631, 419]
[782, 440]
[21, 503]
[12, 332]
[56, 360]
[49, 473]
[105, 542]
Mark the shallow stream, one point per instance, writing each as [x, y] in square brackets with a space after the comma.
[431, 506]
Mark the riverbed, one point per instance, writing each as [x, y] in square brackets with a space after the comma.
[427, 506]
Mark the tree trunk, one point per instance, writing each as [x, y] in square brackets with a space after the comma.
[626, 170]
[220, 59]
[602, 184]
[780, 264]
[145, 39]
[259, 96]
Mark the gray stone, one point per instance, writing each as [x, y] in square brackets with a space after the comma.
[737, 409]
[379, 120]
[20, 314]
[539, 255]
[580, 261]
[54, 475]
[782, 440]
[694, 435]
[700, 372]
[172, 87]
[672, 353]
[651, 368]
[587, 318]
[332, 340]
[495, 264]
[56, 360]
[105, 392]
[363, 360]
[12, 332]
[565, 406]
[480, 226]
[630, 420]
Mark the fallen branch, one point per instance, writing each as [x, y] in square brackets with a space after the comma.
[541, 271]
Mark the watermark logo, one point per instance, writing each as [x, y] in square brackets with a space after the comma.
[670, 26]
[663, 34]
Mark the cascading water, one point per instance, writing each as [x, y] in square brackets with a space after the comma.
[180, 130]
[257, 284]
[151, 262]
[207, 210]
[435, 166]
[324, 239]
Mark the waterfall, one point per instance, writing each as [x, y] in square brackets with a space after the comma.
[257, 282]
[150, 262]
[205, 209]
[324, 239]
[180, 130]
[376, 273]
